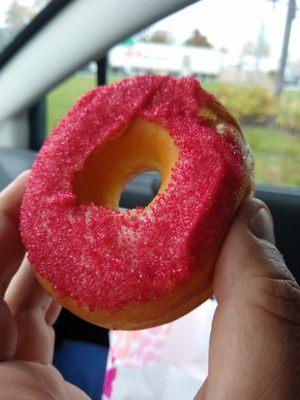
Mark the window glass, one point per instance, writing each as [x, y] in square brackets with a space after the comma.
[15, 15]
[62, 98]
[234, 48]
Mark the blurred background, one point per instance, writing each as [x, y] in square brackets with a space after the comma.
[246, 52]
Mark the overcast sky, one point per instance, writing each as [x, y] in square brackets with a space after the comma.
[227, 23]
[231, 23]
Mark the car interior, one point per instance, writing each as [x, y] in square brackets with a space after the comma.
[62, 38]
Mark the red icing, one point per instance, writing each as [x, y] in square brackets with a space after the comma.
[87, 251]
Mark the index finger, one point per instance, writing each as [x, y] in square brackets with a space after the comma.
[11, 248]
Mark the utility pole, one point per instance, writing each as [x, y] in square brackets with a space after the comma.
[291, 12]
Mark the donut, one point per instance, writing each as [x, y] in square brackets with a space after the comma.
[147, 266]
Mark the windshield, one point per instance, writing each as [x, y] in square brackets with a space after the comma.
[15, 15]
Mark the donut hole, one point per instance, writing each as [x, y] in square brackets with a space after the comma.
[142, 146]
[141, 190]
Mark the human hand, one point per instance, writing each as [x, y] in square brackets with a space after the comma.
[254, 349]
[27, 314]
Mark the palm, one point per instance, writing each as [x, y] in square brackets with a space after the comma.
[27, 314]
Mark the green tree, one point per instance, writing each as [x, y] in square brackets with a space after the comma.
[248, 48]
[198, 40]
[18, 15]
[158, 36]
[260, 48]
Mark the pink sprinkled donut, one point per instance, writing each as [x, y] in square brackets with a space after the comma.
[146, 266]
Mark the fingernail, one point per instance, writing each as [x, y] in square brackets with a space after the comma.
[261, 225]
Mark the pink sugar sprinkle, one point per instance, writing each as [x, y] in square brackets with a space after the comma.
[93, 260]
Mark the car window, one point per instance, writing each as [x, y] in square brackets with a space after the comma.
[15, 15]
[62, 98]
[236, 58]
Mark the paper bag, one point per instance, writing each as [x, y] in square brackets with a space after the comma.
[168, 362]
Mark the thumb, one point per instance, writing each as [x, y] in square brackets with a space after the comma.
[255, 339]
[251, 268]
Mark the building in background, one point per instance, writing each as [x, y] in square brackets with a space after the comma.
[132, 58]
